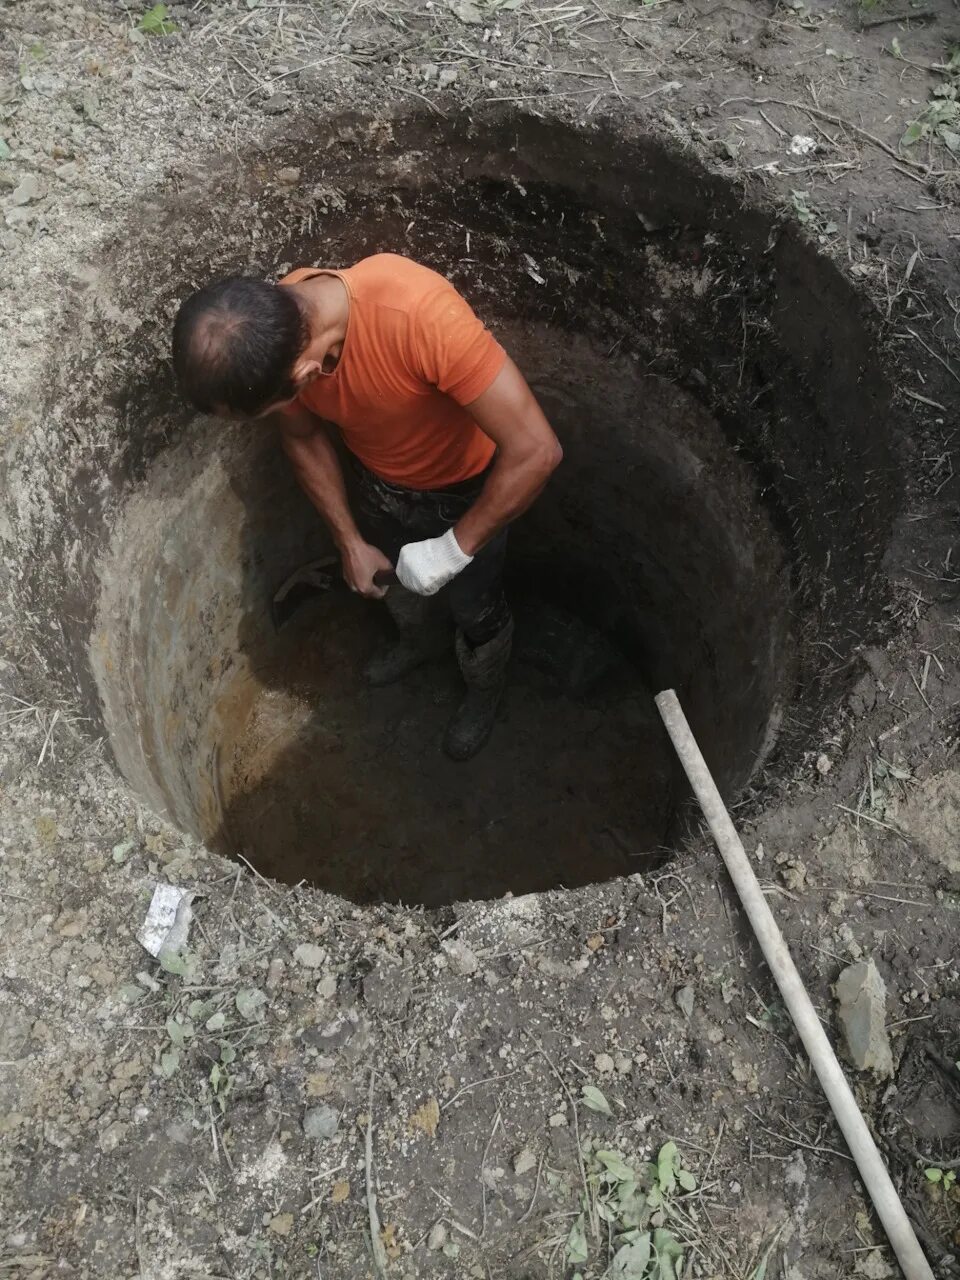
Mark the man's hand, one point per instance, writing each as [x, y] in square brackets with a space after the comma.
[360, 562]
[425, 567]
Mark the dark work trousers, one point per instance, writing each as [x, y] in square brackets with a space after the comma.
[390, 516]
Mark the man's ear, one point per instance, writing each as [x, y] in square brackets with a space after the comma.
[305, 371]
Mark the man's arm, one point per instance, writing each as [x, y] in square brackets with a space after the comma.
[528, 454]
[317, 468]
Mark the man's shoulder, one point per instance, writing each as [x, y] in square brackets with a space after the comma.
[393, 281]
[298, 274]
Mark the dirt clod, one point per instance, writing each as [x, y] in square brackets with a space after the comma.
[321, 1123]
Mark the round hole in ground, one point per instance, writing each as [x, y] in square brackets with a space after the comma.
[717, 525]
[648, 538]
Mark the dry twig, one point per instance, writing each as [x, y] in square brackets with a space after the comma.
[376, 1243]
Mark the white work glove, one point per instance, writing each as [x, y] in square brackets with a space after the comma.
[425, 567]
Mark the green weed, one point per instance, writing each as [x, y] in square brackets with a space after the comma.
[635, 1206]
[939, 119]
[155, 22]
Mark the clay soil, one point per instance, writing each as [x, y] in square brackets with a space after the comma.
[438, 1057]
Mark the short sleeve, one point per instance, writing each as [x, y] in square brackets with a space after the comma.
[456, 352]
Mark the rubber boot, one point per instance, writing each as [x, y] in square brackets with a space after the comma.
[485, 671]
[421, 638]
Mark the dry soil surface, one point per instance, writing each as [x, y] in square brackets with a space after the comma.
[312, 1061]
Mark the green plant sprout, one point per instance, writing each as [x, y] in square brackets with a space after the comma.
[635, 1205]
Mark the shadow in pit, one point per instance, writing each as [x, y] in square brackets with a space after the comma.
[327, 780]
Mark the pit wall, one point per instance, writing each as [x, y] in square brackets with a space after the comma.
[614, 236]
[650, 531]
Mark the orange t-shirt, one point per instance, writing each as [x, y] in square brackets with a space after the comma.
[413, 355]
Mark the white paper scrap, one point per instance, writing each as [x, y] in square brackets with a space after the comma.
[167, 921]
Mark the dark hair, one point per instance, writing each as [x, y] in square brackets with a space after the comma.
[235, 343]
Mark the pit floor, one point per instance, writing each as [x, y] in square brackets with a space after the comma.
[347, 787]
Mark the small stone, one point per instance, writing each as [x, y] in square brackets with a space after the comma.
[19, 218]
[277, 104]
[873, 1265]
[558, 1120]
[745, 1073]
[327, 986]
[437, 1237]
[467, 12]
[523, 1162]
[802, 145]
[426, 1118]
[604, 1064]
[340, 1192]
[29, 189]
[274, 973]
[684, 998]
[288, 176]
[71, 926]
[318, 1084]
[862, 995]
[321, 1123]
[824, 764]
[68, 173]
[462, 960]
[113, 1135]
[624, 1063]
[281, 1224]
[447, 77]
[310, 955]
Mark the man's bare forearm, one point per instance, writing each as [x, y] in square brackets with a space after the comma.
[513, 485]
[318, 471]
[317, 468]
[529, 453]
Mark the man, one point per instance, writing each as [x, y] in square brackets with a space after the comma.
[445, 438]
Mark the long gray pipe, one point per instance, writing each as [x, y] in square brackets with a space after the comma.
[876, 1179]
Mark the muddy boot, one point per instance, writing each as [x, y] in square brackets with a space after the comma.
[485, 671]
[421, 638]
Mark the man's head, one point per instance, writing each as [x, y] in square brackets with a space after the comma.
[236, 344]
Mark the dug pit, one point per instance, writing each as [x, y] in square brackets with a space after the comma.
[718, 523]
